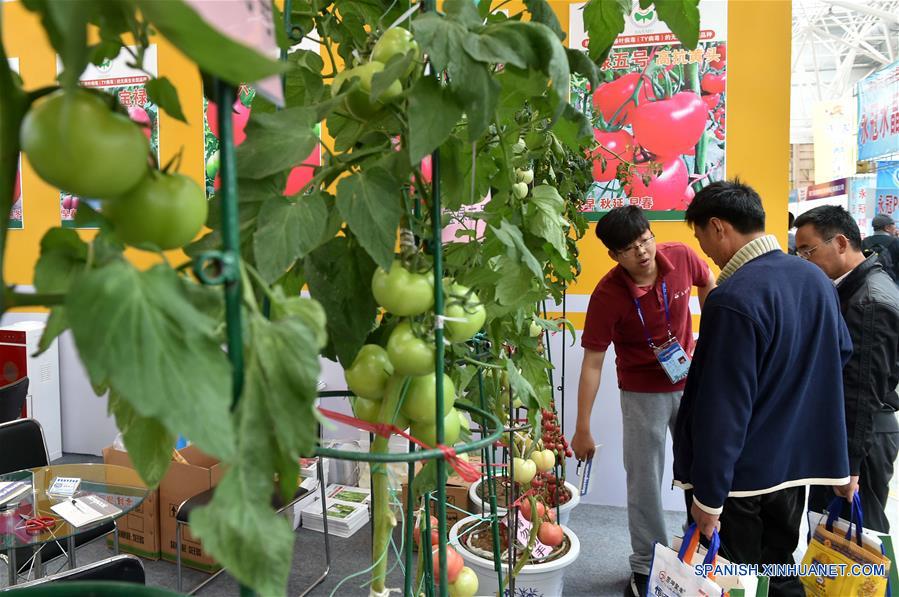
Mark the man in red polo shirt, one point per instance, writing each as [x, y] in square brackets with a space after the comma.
[642, 307]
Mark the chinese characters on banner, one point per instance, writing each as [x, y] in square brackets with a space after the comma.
[878, 113]
[15, 215]
[240, 114]
[658, 114]
[128, 85]
[887, 193]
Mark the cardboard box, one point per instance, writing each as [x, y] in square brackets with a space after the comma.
[181, 482]
[139, 529]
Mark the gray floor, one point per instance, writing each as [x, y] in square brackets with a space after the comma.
[601, 570]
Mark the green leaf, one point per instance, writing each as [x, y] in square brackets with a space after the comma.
[604, 22]
[425, 481]
[555, 61]
[214, 52]
[307, 310]
[514, 283]
[574, 129]
[433, 113]
[66, 27]
[494, 49]
[156, 351]
[162, 93]
[511, 237]
[288, 230]
[304, 84]
[105, 50]
[462, 11]
[63, 258]
[57, 323]
[546, 221]
[520, 386]
[339, 277]
[542, 12]
[682, 17]
[276, 142]
[580, 63]
[148, 442]
[370, 203]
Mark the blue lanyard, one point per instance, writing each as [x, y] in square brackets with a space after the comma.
[667, 316]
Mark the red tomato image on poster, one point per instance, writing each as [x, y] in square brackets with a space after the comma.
[615, 98]
[667, 188]
[140, 116]
[672, 126]
[239, 117]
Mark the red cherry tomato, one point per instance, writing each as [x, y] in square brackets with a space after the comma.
[712, 100]
[670, 127]
[666, 189]
[613, 146]
[550, 534]
[712, 83]
[609, 97]
[722, 57]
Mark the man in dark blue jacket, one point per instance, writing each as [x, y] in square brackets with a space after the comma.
[764, 388]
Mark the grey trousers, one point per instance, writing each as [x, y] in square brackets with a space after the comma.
[646, 419]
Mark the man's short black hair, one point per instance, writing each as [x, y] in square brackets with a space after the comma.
[830, 220]
[731, 201]
[790, 220]
[621, 226]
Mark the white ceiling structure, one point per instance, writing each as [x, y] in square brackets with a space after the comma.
[836, 43]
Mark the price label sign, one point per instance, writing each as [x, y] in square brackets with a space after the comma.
[540, 550]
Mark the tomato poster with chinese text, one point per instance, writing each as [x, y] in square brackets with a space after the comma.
[658, 114]
[121, 78]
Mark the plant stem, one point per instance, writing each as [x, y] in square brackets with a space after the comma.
[699, 161]
[384, 520]
[12, 298]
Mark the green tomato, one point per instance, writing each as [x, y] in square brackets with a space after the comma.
[396, 41]
[534, 329]
[468, 309]
[359, 102]
[466, 584]
[409, 354]
[525, 176]
[165, 210]
[427, 432]
[523, 470]
[420, 404]
[370, 411]
[464, 419]
[520, 190]
[368, 374]
[402, 292]
[212, 164]
[75, 142]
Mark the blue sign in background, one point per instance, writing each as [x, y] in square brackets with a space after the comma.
[887, 200]
[878, 113]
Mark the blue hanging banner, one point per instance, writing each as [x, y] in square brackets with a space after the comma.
[878, 113]
[887, 200]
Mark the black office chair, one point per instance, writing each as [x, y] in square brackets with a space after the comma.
[12, 399]
[122, 568]
[30, 451]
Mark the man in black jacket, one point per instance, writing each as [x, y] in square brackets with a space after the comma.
[829, 237]
[885, 244]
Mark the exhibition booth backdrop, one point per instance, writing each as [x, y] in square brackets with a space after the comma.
[757, 150]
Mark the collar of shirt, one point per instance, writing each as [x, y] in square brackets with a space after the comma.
[839, 280]
[749, 251]
[664, 266]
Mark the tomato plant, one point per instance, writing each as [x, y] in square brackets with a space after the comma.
[165, 211]
[671, 126]
[402, 292]
[464, 305]
[420, 402]
[409, 354]
[367, 376]
[427, 431]
[613, 147]
[396, 42]
[75, 142]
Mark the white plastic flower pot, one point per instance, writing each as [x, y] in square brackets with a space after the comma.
[564, 510]
[534, 580]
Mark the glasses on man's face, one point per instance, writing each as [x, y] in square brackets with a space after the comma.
[807, 253]
[634, 249]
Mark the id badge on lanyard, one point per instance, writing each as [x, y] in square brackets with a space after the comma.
[671, 355]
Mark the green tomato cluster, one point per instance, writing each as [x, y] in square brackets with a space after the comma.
[360, 103]
[76, 142]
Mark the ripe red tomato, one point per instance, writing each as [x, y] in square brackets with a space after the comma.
[609, 97]
[712, 100]
[712, 83]
[526, 510]
[722, 57]
[613, 146]
[670, 127]
[550, 534]
[454, 563]
[667, 189]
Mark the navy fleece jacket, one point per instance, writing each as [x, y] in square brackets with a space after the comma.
[763, 406]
